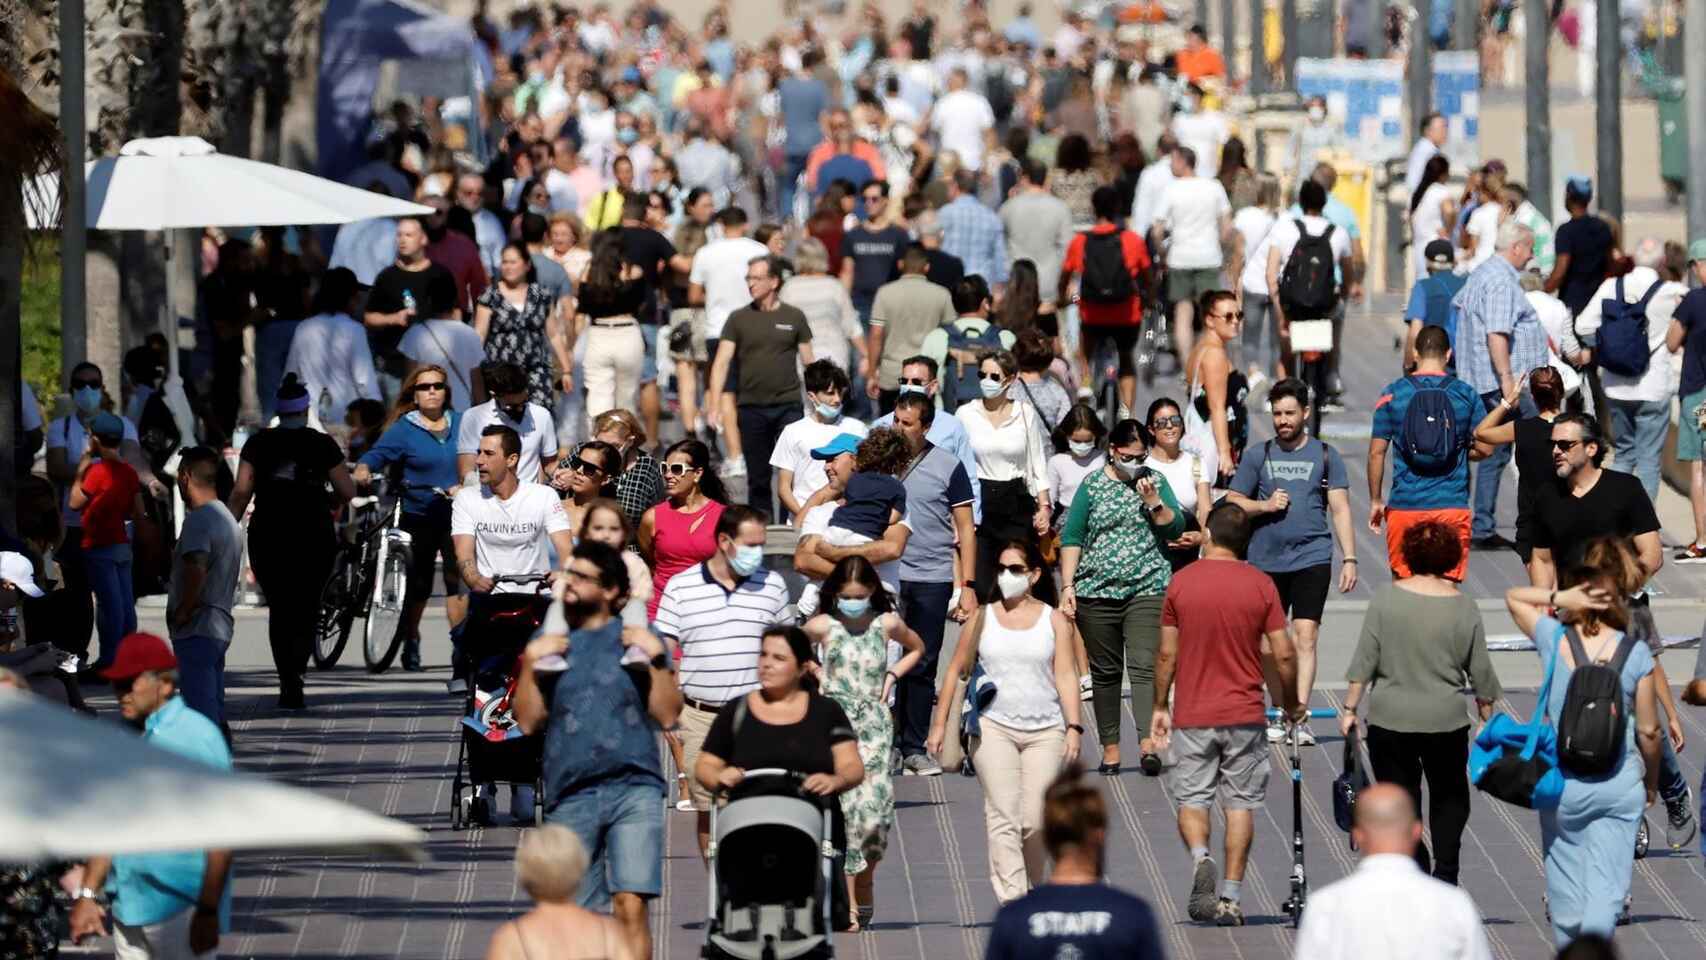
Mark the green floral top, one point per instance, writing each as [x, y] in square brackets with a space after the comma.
[1124, 551]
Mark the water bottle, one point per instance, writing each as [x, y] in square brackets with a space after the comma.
[324, 405]
[409, 300]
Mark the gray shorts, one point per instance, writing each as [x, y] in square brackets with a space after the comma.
[1191, 284]
[1232, 761]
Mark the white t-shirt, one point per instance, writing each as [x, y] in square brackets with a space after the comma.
[67, 433]
[1151, 183]
[1192, 209]
[720, 267]
[1254, 224]
[794, 451]
[960, 119]
[452, 345]
[1483, 225]
[538, 435]
[329, 352]
[1657, 384]
[1285, 237]
[511, 537]
[1205, 133]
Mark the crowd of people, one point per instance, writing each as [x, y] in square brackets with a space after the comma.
[870, 284]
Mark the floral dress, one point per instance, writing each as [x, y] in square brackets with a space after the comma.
[517, 335]
[854, 666]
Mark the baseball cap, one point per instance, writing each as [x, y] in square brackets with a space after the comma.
[1579, 186]
[843, 443]
[16, 569]
[432, 187]
[1697, 250]
[1438, 254]
[631, 75]
[107, 426]
[138, 654]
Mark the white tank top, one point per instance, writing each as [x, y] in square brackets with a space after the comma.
[1021, 665]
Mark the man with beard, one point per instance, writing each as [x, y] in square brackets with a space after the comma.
[602, 777]
[1290, 491]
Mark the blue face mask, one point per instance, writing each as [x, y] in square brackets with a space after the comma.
[88, 399]
[827, 412]
[911, 388]
[747, 559]
[853, 607]
[628, 134]
[991, 388]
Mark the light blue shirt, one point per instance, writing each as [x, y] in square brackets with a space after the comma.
[366, 247]
[154, 887]
[947, 432]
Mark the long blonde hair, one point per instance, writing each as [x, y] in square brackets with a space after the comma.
[405, 404]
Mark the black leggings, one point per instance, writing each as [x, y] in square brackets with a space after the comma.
[292, 568]
[1404, 759]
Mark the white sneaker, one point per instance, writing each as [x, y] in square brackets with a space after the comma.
[1085, 690]
[1305, 736]
[1257, 379]
[733, 468]
[1276, 731]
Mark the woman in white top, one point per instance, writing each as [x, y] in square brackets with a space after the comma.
[1078, 439]
[1253, 227]
[1481, 231]
[1012, 465]
[1433, 211]
[836, 333]
[1030, 729]
[1184, 472]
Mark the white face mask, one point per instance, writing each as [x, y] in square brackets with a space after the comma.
[1012, 585]
[1317, 114]
[1127, 468]
[1081, 449]
[911, 388]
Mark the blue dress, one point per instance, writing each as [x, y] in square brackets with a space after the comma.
[1589, 841]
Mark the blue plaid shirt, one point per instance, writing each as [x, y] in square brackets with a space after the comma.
[972, 232]
[1493, 302]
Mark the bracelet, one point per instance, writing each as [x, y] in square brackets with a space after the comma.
[896, 676]
[1349, 560]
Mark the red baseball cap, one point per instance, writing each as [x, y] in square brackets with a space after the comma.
[138, 654]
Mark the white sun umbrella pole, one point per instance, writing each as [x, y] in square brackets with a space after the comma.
[79, 787]
[175, 183]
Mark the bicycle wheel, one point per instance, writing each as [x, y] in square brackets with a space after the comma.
[1313, 372]
[337, 614]
[384, 629]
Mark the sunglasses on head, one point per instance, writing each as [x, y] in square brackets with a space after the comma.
[425, 387]
[1564, 446]
[675, 469]
[1161, 422]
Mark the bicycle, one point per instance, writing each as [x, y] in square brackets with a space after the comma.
[1312, 348]
[370, 579]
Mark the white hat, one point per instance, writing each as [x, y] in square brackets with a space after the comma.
[16, 569]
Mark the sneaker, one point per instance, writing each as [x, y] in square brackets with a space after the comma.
[733, 469]
[1643, 839]
[1305, 736]
[1276, 731]
[292, 700]
[1693, 553]
[1227, 913]
[1627, 914]
[1681, 826]
[412, 655]
[1086, 690]
[921, 765]
[1201, 905]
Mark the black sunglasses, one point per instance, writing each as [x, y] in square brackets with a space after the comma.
[425, 387]
[913, 382]
[998, 377]
[1017, 568]
[75, 384]
[584, 467]
[1173, 421]
[1564, 446]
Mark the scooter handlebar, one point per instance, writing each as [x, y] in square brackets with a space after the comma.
[1318, 713]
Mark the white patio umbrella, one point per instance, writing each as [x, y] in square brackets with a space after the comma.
[173, 183]
[79, 787]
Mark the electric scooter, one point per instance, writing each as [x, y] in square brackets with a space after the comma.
[1294, 904]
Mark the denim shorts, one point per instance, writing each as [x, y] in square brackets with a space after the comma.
[1688, 434]
[621, 825]
[649, 364]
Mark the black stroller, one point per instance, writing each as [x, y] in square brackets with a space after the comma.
[772, 870]
[493, 749]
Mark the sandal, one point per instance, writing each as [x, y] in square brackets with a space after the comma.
[862, 916]
[1108, 769]
[685, 804]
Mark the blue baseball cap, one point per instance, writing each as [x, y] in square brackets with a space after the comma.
[632, 75]
[108, 427]
[1697, 250]
[1579, 186]
[843, 443]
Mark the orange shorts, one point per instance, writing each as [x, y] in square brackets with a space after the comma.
[1398, 521]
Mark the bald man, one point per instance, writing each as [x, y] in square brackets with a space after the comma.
[1389, 908]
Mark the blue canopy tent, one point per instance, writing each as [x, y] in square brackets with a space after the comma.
[357, 38]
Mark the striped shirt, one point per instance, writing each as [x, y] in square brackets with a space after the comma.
[720, 630]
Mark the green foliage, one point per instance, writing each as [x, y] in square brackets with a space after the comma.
[41, 317]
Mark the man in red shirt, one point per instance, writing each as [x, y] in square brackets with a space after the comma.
[108, 492]
[1111, 265]
[1217, 614]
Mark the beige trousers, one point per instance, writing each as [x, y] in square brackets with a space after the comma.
[1015, 767]
[612, 368]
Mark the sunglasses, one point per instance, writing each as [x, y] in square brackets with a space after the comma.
[1134, 458]
[997, 377]
[1564, 446]
[1160, 423]
[585, 468]
[675, 469]
[913, 382]
[426, 387]
[76, 384]
[1017, 568]
[1234, 315]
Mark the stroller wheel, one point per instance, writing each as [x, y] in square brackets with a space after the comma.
[479, 811]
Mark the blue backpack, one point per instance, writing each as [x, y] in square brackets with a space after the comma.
[1431, 439]
[1621, 346]
[961, 381]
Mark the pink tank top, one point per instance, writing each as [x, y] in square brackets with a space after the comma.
[679, 540]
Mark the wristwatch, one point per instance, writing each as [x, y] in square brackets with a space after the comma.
[90, 893]
[1076, 726]
[660, 662]
[970, 583]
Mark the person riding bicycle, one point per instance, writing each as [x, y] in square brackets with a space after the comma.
[1112, 268]
[1308, 263]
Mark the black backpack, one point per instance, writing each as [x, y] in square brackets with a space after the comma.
[1106, 279]
[1307, 289]
[1590, 727]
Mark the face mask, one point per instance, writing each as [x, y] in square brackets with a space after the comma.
[991, 388]
[1127, 468]
[906, 388]
[827, 412]
[1012, 585]
[88, 399]
[628, 135]
[1317, 114]
[747, 559]
[542, 210]
[293, 421]
[853, 608]
[1083, 449]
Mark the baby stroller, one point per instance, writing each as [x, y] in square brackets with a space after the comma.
[492, 747]
[772, 863]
